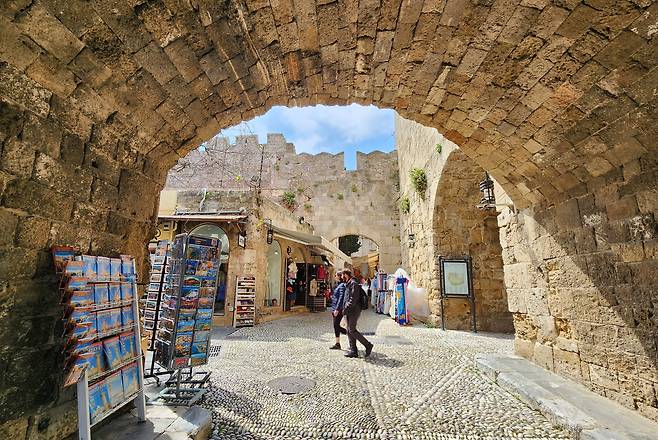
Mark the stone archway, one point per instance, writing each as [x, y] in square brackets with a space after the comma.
[555, 99]
[460, 229]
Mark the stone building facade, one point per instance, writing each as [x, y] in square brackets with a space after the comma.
[445, 222]
[335, 201]
[556, 99]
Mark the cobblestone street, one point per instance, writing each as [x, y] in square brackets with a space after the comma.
[420, 383]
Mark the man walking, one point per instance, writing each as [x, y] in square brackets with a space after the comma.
[352, 311]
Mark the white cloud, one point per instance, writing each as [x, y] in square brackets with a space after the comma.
[324, 128]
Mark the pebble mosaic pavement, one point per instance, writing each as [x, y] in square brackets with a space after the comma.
[419, 383]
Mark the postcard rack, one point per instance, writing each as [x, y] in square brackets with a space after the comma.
[84, 419]
[245, 301]
[152, 304]
[183, 331]
[102, 335]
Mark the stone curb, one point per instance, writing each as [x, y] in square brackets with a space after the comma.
[577, 413]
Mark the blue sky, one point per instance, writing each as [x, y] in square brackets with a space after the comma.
[324, 128]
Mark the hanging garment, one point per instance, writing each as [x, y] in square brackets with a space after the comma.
[313, 288]
[387, 303]
[374, 293]
[321, 272]
[401, 308]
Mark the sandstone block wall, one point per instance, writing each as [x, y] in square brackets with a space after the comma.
[335, 201]
[446, 223]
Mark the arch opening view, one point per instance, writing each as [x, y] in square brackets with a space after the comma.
[112, 116]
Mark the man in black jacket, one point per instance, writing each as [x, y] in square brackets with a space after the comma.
[352, 311]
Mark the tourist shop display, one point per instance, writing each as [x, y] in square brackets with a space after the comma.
[183, 333]
[245, 301]
[102, 351]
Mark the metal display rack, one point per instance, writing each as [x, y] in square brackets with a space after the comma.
[186, 289]
[84, 418]
[155, 306]
[245, 301]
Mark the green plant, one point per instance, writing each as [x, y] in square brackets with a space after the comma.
[418, 180]
[339, 196]
[276, 167]
[289, 200]
[354, 188]
[300, 190]
[308, 206]
[438, 148]
[405, 205]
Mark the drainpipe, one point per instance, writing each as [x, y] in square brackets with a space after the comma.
[203, 200]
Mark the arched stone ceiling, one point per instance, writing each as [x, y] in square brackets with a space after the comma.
[548, 96]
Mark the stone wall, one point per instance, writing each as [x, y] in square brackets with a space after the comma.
[335, 201]
[446, 223]
[65, 179]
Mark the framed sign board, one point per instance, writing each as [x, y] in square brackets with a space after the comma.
[242, 240]
[456, 276]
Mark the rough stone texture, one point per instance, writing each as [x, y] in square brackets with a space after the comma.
[443, 395]
[335, 201]
[446, 223]
[556, 99]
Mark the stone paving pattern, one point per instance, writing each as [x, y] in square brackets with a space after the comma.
[419, 383]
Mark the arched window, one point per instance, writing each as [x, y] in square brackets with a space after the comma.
[273, 296]
[214, 231]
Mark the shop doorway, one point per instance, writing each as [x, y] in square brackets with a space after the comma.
[274, 277]
[212, 230]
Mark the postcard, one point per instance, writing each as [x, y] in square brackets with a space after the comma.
[185, 326]
[82, 297]
[207, 292]
[127, 292]
[82, 329]
[192, 281]
[204, 314]
[115, 388]
[180, 362]
[186, 315]
[149, 314]
[101, 294]
[115, 269]
[198, 359]
[202, 325]
[81, 314]
[76, 283]
[102, 268]
[112, 350]
[61, 256]
[89, 262]
[205, 303]
[128, 347]
[199, 347]
[74, 268]
[104, 321]
[149, 324]
[152, 296]
[99, 401]
[201, 336]
[127, 316]
[116, 318]
[191, 267]
[130, 375]
[114, 292]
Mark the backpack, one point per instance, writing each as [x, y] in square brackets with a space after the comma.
[363, 298]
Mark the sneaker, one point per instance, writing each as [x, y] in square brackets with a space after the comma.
[369, 350]
[352, 354]
[335, 347]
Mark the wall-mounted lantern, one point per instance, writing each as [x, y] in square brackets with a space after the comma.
[488, 200]
[411, 237]
[270, 232]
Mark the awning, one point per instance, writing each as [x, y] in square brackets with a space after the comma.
[317, 243]
[219, 217]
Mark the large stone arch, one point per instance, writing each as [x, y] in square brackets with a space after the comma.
[460, 229]
[555, 99]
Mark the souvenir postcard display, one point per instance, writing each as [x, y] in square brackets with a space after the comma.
[101, 349]
[183, 333]
[155, 291]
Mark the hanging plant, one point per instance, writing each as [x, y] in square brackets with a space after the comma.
[439, 147]
[405, 205]
[418, 180]
[289, 200]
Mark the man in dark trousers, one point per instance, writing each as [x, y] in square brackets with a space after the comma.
[352, 311]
